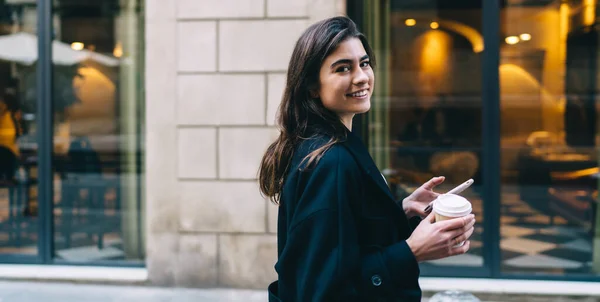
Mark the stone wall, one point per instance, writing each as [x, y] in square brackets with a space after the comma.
[215, 72]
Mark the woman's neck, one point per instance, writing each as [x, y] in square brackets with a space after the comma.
[347, 121]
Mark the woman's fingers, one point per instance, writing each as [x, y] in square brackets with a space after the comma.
[463, 237]
[461, 249]
[432, 183]
[440, 239]
[424, 211]
[471, 231]
[456, 223]
[457, 232]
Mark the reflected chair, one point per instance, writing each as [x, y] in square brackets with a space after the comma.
[83, 187]
[21, 216]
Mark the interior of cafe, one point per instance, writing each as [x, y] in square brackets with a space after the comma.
[426, 120]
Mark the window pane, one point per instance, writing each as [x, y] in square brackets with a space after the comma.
[425, 118]
[549, 165]
[18, 138]
[98, 109]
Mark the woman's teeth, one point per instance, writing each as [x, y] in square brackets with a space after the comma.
[359, 94]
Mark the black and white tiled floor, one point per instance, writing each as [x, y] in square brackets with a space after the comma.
[529, 243]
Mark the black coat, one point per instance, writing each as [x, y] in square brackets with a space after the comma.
[341, 234]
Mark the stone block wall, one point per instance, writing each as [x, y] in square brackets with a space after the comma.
[215, 72]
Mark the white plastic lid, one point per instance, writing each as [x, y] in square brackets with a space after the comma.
[452, 205]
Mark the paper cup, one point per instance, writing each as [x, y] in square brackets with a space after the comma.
[450, 206]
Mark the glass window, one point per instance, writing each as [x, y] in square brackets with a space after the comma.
[18, 140]
[98, 113]
[425, 118]
[549, 80]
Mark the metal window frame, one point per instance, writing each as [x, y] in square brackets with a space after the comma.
[490, 120]
[45, 131]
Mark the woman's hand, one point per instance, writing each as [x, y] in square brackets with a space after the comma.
[430, 241]
[415, 203]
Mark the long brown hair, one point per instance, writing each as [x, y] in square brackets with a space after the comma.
[300, 115]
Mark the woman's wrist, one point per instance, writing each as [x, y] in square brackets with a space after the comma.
[413, 249]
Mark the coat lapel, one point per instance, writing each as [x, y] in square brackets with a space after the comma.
[355, 145]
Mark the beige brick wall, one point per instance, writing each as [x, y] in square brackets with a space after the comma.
[215, 71]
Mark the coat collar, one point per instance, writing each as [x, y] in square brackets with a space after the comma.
[356, 147]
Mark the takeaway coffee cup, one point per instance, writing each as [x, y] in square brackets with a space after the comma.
[450, 206]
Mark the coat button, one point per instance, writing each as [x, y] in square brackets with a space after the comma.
[376, 280]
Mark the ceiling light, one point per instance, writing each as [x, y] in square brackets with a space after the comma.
[77, 45]
[512, 40]
[525, 37]
[410, 22]
[434, 25]
[118, 51]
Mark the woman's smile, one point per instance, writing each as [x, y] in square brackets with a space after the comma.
[360, 94]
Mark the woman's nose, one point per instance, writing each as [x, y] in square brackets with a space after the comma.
[360, 77]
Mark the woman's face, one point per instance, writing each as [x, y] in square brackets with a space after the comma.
[346, 81]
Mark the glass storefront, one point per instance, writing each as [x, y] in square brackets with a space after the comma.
[19, 229]
[95, 144]
[549, 164]
[441, 87]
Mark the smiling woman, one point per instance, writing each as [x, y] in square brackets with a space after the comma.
[341, 234]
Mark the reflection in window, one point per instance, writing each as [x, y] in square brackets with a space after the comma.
[18, 179]
[548, 86]
[97, 111]
[425, 118]
[97, 144]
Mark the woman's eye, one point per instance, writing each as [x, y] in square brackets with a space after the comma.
[365, 64]
[343, 69]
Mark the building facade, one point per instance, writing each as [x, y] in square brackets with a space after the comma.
[134, 138]
[214, 74]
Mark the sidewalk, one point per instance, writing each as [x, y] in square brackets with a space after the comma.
[20, 291]
[68, 292]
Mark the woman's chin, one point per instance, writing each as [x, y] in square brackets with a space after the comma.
[364, 108]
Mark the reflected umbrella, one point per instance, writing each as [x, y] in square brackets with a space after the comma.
[23, 48]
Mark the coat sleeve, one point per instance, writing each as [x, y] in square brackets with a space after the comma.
[322, 252]
[414, 223]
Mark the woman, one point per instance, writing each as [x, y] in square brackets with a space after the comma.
[341, 235]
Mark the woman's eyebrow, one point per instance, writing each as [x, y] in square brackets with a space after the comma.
[341, 61]
[347, 61]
